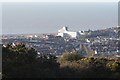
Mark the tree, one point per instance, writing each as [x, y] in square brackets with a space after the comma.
[21, 62]
[112, 65]
[15, 57]
[70, 56]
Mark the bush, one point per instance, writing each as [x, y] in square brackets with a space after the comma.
[70, 56]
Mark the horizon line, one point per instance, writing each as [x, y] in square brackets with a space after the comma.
[51, 32]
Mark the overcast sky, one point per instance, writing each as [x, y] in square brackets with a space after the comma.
[49, 17]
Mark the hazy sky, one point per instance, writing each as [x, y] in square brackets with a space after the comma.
[0, 19]
[49, 17]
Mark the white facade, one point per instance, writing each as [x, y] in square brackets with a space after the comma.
[65, 33]
[82, 32]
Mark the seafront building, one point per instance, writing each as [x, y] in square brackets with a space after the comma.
[63, 32]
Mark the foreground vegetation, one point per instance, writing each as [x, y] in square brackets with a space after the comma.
[21, 62]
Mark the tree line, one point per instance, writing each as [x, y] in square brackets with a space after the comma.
[21, 62]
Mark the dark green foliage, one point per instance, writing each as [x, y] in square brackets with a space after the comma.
[70, 56]
[21, 62]
[91, 68]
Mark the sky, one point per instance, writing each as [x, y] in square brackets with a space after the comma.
[0, 19]
[0, 24]
[48, 17]
[119, 13]
[59, 0]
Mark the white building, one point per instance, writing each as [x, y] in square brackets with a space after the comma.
[82, 32]
[65, 33]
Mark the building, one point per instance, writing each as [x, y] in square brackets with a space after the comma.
[65, 33]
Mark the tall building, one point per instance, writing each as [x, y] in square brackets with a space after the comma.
[63, 32]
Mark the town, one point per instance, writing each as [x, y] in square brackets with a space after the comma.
[98, 43]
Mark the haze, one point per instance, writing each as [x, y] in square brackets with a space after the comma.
[22, 18]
